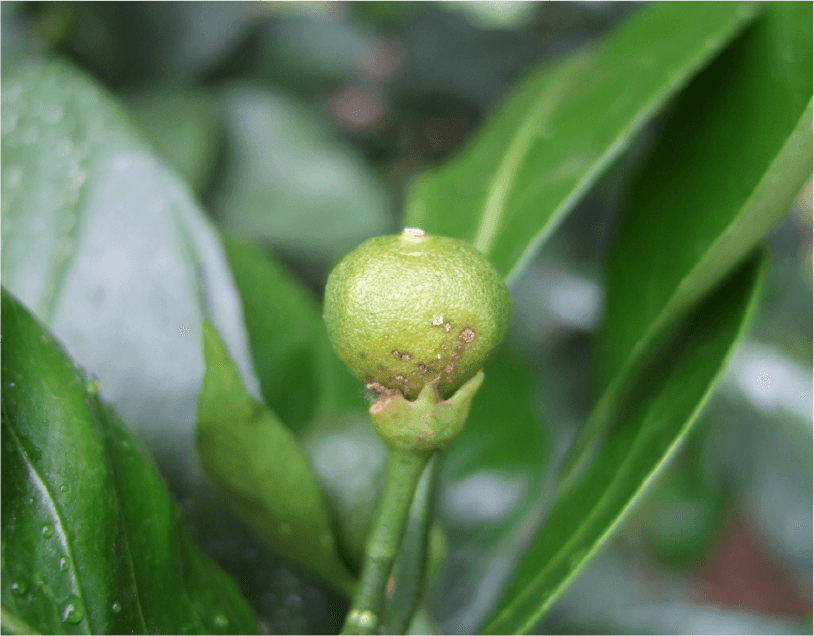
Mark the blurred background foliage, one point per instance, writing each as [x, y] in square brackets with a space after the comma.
[299, 125]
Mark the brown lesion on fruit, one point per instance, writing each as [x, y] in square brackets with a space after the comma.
[467, 335]
[385, 396]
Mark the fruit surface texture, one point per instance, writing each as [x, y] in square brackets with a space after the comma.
[406, 310]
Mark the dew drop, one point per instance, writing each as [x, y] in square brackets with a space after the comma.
[116, 607]
[47, 530]
[220, 621]
[11, 384]
[19, 587]
[64, 564]
[64, 488]
[74, 611]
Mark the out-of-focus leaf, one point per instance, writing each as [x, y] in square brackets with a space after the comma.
[182, 125]
[299, 374]
[350, 460]
[128, 43]
[260, 469]
[613, 596]
[111, 251]
[734, 154]
[91, 540]
[289, 182]
[551, 140]
[657, 414]
[489, 496]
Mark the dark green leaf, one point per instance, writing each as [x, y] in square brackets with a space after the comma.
[735, 152]
[299, 373]
[656, 416]
[91, 540]
[111, 252]
[563, 126]
[258, 466]
[289, 182]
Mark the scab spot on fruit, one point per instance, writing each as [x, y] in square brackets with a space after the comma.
[405, 356]
[437, 322]
[395, 353]
[449, 369]
[448, 326]
[467, 335]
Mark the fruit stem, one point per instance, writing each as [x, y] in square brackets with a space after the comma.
[404, 469]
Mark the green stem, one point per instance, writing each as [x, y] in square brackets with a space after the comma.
[404, 468]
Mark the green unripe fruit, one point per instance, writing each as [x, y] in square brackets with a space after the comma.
[406, 310]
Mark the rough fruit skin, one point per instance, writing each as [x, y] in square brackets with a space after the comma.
[408, 309]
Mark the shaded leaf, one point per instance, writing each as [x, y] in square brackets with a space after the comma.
[657, 415]
[509, 190]
[300, 375]
[111, 251]
[734, 154]
[260, 469]
[289, 182]
[488, 495]
[182, 125]
[91, 540]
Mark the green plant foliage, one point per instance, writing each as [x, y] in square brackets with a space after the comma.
[717, 185]
[656, 416]
[260, 469]
[182, 125]
[563, 126]
[290, 183]
[109, 249]
[300, 375]
[91, 540]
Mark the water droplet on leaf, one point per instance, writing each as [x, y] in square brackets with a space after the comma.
[64, 488]
[74, 611]
[47, 530]
[64, 564]
[220, 621]
[116, 608]
[19, 587]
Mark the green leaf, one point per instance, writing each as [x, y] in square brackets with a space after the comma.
[734, 154]
[290, 182]
[258, 466]
[489, 489]
[300, 375]
[91, 540]
[559, 130]
[657, 415]
[182, 125]
[111, 251]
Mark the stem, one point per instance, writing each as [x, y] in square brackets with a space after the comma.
[404, 468]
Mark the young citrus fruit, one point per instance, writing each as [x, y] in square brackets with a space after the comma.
[406, 310]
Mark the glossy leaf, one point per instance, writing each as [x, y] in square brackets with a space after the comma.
[657, 415]
[734, 154]
[289, 182]
[91, 540]
[300, 375]
[510, 189]
[261, 471]
[111, 251]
